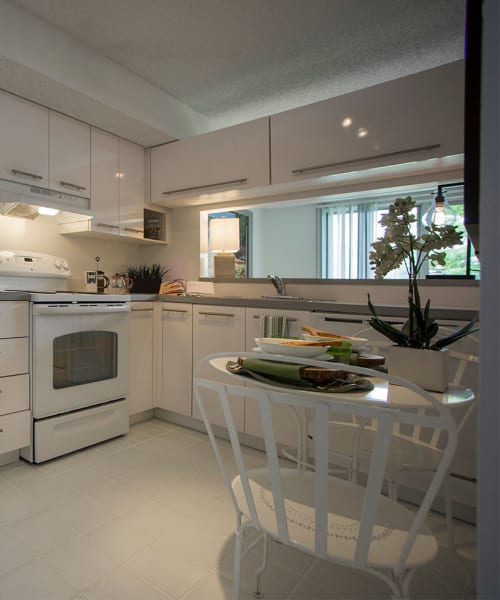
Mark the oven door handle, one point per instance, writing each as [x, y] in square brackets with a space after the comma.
[60, 310]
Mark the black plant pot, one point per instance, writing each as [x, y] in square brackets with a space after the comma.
[146, 286]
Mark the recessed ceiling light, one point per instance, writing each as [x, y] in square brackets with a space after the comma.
[362, 132]
[347, 122]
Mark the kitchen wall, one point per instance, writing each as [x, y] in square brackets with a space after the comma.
[182, 256]
[41, 235]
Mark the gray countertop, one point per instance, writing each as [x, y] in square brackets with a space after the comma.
[18, 295]
[320, 306]
[311, 305]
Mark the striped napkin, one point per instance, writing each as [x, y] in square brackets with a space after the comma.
[271, 326]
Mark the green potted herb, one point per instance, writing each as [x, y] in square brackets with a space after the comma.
[147, 278]
[401, 246]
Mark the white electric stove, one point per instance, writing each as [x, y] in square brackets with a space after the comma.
[78, 356]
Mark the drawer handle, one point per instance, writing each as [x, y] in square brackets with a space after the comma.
[290, 320]
[73, 186]
[1, 430]
[173, 310]
[206, 186]
[363, 158]
[209, 314]
[26, 174]
[108, 225]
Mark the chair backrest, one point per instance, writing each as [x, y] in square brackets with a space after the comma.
[464, 364]
[362, 508]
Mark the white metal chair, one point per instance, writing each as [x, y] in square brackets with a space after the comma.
[323, 515]
[412, 449]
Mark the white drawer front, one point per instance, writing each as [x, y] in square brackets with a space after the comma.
[13, 356]
[14, 431]
[14, 319]
[14, 394]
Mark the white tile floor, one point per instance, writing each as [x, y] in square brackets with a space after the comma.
[146, 517]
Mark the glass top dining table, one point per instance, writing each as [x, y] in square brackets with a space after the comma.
[383, 392]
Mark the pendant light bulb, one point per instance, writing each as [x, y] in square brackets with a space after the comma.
[440, 213]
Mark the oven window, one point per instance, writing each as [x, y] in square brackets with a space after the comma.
[84, 357]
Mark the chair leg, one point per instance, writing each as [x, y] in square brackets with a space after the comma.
[238, 540]
[260, 571]
[448, 515]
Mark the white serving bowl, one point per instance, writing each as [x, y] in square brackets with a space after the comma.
[356, 342]
[276, 346]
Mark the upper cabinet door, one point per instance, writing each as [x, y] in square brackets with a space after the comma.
[412, 118]
[24, 141]
[69, 155]
[232, 158]
[104, 201]
[131, 188]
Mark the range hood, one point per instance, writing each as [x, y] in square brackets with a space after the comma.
[19, 197]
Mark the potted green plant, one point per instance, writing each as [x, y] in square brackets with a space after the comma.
[147, 278]
[401, 246]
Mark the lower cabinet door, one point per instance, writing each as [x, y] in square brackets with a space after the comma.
[177, 365]
[140, 394]
[218, 329]
[14, 431]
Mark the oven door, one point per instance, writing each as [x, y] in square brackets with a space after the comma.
[79, 355]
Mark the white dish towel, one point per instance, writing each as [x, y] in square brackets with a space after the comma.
[271, 325]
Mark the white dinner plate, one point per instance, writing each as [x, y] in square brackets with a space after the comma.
[355, 341]
[276, 346]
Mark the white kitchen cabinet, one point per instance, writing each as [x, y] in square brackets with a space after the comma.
[24, 141]
[104, 182]
[118, 191]
[231, 158]
[14, 319]
[411, 118]
[131, 188]
[140, 394]
[14, 378]
[69, 155]
[218, 329]
[177, 358]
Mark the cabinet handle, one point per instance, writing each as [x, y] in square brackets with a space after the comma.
[26, 174]
[107, 225]
[210, 314]
[363, 158]
[141, 309]
[134, 230]
[206, 186]
[1, 430]
[334, 320]
[173, 310]
[73, 186]
[291, 320]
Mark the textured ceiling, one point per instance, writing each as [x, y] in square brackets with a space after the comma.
[234, 60]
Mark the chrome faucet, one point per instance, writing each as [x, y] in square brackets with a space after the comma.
[279, 284]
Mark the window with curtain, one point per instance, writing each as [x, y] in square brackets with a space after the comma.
[348, 228]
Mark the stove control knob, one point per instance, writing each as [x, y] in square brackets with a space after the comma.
[65, 265]
[57, 263]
